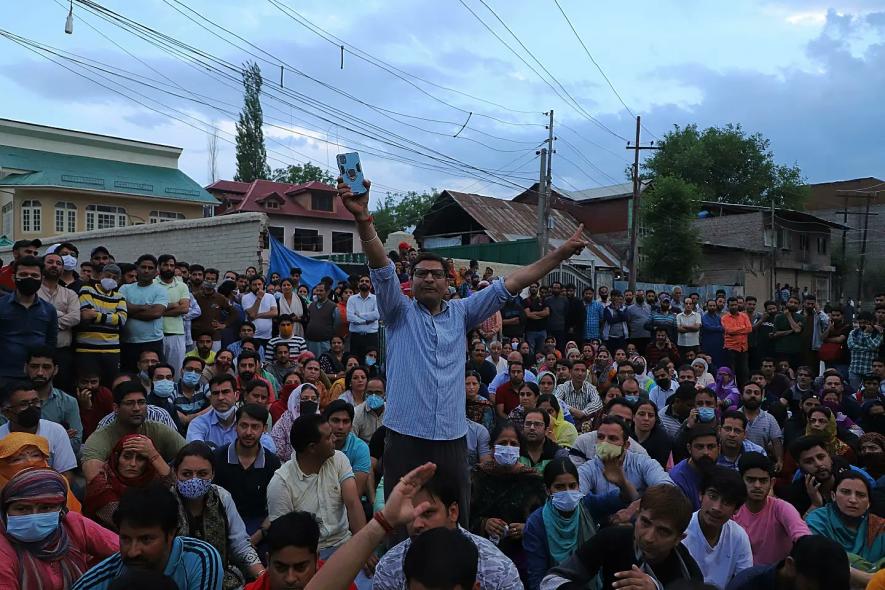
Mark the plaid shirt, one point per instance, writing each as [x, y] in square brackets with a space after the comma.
[594, 319]
[864, 350]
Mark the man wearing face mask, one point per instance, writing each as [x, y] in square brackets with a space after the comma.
[367, 415]
[218, 427]
[296, 344]
[21, 249]
[21, 406]
[26, 321]
[103, 313]
[162, 391]
[216, 313]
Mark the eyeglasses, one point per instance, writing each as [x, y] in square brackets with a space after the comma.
[538, 424]
[134, 403]
[436, 273]
[33, 403]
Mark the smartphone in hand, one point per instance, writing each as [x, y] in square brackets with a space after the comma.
[351, 172]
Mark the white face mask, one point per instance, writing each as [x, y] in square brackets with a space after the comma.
[108, 284]
[506, 455]
[70, 262]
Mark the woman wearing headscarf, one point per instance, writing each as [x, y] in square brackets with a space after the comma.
[300, 396]
[821, 422]
[279, 406]
[43, 546]
[20, 451]
[564, 433]
[126, 467]
[726, 389]
[702, 373]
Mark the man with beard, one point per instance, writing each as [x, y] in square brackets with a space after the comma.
[179, 299]
[638, 314]
[146, 302]
[574, 322]
[762, 428]
[719, 545]
[363, 315]
[615, 329]
[763, 328]
[536, 313]
[815, 484]
[218, 426]
[646, 555]
[67, 307]
[130, 407]
[833, 383]
[787, 334]
[663, 318]
[863, 344]
[56, 405]
[147, 518]
[772, 524]
[603, 296]
[813, 330]
[689, 474]
[664, 386]
[245, 468]
[216, 313]
[538, 449]
[26, 320]
[20, 405]
[662, 347]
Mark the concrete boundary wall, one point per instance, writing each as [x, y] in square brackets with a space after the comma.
[227, 242]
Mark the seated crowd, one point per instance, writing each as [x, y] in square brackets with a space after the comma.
[165, 425]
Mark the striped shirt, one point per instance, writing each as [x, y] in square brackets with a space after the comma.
[424, 353]
[103, 333]
[193, 565]
[297, 345]
[154, 414]
[587, 399]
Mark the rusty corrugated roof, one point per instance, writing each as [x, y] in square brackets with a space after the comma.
[504, 219]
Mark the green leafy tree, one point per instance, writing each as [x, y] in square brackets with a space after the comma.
[297, 174]
[251, 153]
[727, 165]
[670, 248]
[398, 211]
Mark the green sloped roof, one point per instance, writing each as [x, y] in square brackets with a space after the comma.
[96, 174]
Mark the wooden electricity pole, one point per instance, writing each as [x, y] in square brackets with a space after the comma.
[633, 255]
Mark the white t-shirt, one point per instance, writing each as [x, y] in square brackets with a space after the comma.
[61, 454]
[264, 326]
[688, 338]
[731, 555]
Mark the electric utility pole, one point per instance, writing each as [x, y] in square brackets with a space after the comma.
[633, 255]
[869, 196]
[545, 190]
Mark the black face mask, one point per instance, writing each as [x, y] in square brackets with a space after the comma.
[28, 286]
[308, 408]
[663, 383]
[28, 418]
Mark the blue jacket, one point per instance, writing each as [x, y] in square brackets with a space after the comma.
[23, 328]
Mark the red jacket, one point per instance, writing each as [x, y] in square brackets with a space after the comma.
[263, 582]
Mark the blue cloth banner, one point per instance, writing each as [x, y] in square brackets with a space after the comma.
[283, 259]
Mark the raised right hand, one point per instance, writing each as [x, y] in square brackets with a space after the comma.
[358, 205]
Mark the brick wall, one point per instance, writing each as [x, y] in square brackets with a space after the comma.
[227, 242]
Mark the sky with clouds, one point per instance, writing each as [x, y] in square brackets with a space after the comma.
[807, 74]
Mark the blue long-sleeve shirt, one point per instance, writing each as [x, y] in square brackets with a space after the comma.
[23, 328]
[534, 535]
[424, 351]
[713, 338]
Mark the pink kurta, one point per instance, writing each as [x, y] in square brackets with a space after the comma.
[94, 541]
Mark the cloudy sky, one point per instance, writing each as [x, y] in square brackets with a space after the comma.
[808, 74]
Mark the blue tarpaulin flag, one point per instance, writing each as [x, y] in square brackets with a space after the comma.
[283, 259]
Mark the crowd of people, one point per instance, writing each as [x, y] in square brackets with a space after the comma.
[167, 425]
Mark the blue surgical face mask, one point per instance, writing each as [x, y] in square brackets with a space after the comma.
[375, 402]
[108, 284]
[506, 455]
[164, 388]
[30, 528]
[706, 414]
[514, 345]
[70, 262]
[567, 500]
[190, 378]
[632, 398]
[370, 361]
[193, 488]
[226, 414]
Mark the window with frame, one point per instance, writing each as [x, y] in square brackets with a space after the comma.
[822, 245]
[105, 217]
[161, 216]
[307, 240]
[272, 204]
[65, 217]
[32, 216]
[321, 202]
[7, 219]
[342, 242]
